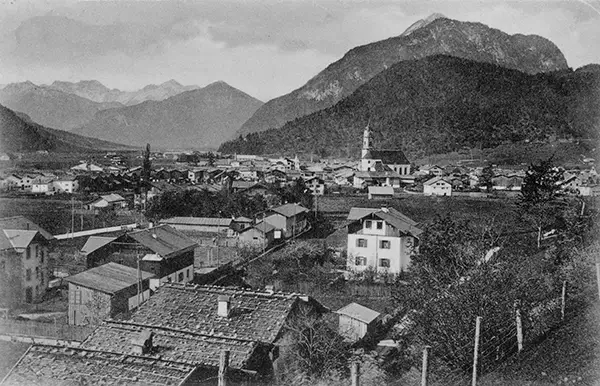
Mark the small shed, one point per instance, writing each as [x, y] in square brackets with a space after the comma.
[378, 192]
[356, 321]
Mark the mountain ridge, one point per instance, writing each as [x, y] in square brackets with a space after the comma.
[476, 41]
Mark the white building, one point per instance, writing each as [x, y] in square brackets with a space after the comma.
[391, 160]
[383, 239]
[437, 186]
[66, 184]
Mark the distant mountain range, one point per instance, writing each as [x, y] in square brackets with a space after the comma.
[200, 118]
[435, 35]
[19, 134]
[439, 104]
[50, 107]
[97, 92]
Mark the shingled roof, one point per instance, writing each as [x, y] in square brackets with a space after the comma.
[62, 366]
[109, 278]
[186, 326]
[388, 157]
[390, 215]
[163, 240]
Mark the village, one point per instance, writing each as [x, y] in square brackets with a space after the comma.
[165, 293]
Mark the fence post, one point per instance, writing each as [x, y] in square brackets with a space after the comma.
[425, 365]
[598, 274]
[519, 329]
[223, 364]
[563, 300]
[476, 350]
[355, 374]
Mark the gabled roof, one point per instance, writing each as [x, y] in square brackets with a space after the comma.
[390, 215]
[23, 223]
[109, 278]
[356, 311]
[63, 366]
[434, 180]
[388, 157]
[242, 219]
[376, 174]
[210, 221]
[113, 197]
[16, 239]
[262, 226]
[163, 240]
[290, 210]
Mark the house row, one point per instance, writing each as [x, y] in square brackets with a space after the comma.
[42, 183]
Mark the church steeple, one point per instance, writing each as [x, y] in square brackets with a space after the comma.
[366, 141]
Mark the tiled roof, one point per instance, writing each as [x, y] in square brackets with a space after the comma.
[213, 221]
[172, 345]
[163, 240]
[388, 157]
[68, 366]
[290, 210]
[21, 222]
[255, 316]
[357, 311]
[390, 215]
[108, 278]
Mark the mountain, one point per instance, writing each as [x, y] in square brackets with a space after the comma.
[199, 118]
[50, 107]
[19, 134]
[440, 104]
[96, 91]
[434, 35]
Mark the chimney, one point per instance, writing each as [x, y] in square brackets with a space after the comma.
[223, 309]
[142, 344]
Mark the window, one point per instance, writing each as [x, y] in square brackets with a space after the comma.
[37, 272]
[41, 255]
[187, 273]
[379, 224]
[384, 263]
[368, 224]
[360, 260]
[361, 243]
[384, 244]
[28, 274]
[27, 253]
[180, 276]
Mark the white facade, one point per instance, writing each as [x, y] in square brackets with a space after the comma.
[378, 245]
[66, 186]
[184, 275]
[437, 187]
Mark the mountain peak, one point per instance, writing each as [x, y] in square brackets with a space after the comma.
[172, 83]
[422, 23]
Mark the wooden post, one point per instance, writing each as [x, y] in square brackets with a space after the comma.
[425, 365]
[223, 364]
[354, 374]
[563, 300]
[598, 274]
[476, 350]
[519, 329]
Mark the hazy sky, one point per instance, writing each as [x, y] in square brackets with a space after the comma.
[264, 47]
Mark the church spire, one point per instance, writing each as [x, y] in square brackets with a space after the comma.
[366, 141]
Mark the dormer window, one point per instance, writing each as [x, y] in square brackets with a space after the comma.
[379, 224]
[368, 224]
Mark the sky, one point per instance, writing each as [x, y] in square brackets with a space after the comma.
[265, 48]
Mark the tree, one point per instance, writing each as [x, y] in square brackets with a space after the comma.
[211, 158]
[485, 180]
[541, 184]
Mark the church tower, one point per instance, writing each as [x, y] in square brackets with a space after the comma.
[366, 142]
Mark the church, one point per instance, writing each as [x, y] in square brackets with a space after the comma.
[380, 167]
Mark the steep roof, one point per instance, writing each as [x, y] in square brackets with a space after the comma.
[390, 215]
[163, 240]
[388, 157]
[23, 223]
[16, 239]
[94, 243]
[290, 210]
[64, 366]
[359, 312]
[434, 180]
[109, 278]
[211, 221]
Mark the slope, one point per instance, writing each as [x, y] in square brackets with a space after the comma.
[17, 134]
[199, 118]
[50, 107]
[435, 35]
[440, 104]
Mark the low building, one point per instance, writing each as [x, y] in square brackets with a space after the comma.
[356, 321]
[162, 251]
[316, 185]
[383, 239]
[380, 192]
[261, 235]
[66, 184]
[216, 225]
[24, 275]
[109, 201]
[289, 218]
[437, 186]
[106, 291]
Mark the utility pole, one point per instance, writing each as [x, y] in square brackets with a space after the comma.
[476, 350]
[72, 216]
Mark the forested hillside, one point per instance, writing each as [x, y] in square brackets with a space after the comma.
[440, 104]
